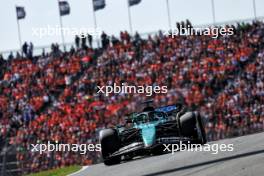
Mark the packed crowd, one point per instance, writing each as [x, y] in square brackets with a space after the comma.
[29, 87]
[238, 109]
[54, 97]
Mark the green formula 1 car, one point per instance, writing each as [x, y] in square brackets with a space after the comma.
[146, 132]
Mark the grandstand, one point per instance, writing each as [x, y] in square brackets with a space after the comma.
[53, 96]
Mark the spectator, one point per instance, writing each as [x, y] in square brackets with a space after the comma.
[83, 39]
[30, 50]
[25, 49]
[90, 40]
[105, 40]
[10, 56]
[77, 41]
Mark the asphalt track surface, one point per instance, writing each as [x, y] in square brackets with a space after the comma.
[247, 159]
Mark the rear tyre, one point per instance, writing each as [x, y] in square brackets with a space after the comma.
[200, 128]
[109, 144]
[191, 126]
[187, 124]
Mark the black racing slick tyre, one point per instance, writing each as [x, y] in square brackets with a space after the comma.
[200, 128]
[191, 126]
[109, 144]
[187, 124]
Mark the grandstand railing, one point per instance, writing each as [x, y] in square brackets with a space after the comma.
[8, 160]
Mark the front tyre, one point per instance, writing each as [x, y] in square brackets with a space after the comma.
[109, 143]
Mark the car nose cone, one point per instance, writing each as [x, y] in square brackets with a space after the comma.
[148, 134]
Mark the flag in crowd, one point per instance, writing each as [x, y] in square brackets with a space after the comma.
[133, 2]
[98, 4]
[64, 8]
[20, 11]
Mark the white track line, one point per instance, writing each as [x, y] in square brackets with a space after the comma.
[83, 168]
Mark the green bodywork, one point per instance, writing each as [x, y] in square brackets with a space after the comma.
[148, 125]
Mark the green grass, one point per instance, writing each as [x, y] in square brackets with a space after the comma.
[58, 172]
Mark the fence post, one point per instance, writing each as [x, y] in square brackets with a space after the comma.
[3, 170]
